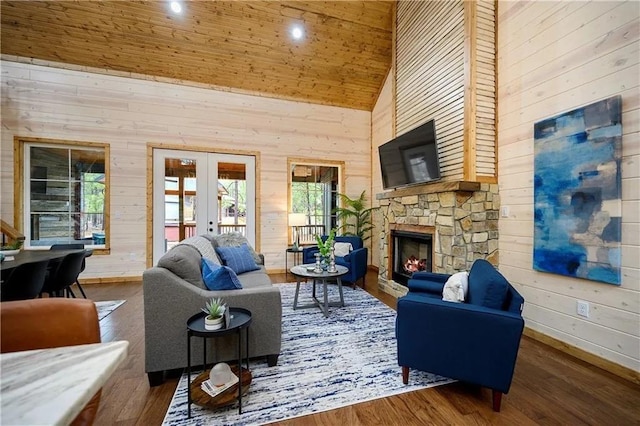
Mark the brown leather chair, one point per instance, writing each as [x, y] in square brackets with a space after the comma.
[68, 322]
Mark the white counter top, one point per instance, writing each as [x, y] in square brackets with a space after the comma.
[51, 386]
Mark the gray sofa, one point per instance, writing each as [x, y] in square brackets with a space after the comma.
[174, 291]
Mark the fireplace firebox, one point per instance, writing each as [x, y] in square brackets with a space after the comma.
[411, 252]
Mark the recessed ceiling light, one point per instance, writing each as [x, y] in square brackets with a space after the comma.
[176, 7]
[297, 32]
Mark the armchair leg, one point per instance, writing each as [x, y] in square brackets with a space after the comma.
[405, 375]
[497, 399]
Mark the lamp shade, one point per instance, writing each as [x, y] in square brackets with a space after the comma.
[297, 219]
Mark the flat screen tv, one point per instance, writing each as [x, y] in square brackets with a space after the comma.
[411, 158]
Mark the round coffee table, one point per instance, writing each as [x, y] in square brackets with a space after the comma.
[307, 271]
[240, 320]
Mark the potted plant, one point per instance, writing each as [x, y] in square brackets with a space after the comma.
[325, 247]
[354, 216]
[215, 314]
[11, 249]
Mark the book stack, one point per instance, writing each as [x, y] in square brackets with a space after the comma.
[213, 390]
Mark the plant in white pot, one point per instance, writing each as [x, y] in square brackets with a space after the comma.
[215, 314]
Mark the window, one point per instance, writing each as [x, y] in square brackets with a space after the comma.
[314, 188]
[65, 192]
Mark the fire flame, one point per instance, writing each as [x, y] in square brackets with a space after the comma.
[413, 264]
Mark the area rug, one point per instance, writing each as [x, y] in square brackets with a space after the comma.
[324, 364]
[105, 308]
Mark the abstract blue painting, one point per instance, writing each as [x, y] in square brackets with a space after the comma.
[577, 192]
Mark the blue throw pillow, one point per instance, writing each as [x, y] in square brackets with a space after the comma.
[237, 258]
[218, 277]
[487, 286]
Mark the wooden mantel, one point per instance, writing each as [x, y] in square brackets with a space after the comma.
[431, 188]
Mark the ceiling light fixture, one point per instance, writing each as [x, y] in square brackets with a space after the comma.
[176, 7]
[297, 32]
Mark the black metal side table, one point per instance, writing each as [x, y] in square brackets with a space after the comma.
[240, 320]
[297, 258]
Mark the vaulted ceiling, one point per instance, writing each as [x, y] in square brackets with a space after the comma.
[342, 58]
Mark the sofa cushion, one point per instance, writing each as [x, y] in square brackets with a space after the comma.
[257, 278]
[235, 239]
[487, 287]
[218, 277]
[238, 258]
[184, 261]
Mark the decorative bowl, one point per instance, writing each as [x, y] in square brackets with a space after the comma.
[10, 252]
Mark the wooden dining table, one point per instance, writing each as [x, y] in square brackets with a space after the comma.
[31, 256]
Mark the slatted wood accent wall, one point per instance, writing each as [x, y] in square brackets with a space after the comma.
[445, 70]
[483, 28]
[555, 57]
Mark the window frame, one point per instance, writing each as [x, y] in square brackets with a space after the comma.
[291, 162]
[20, 145]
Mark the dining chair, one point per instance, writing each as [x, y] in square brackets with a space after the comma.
[24, 282]
[73, 246]
[51, 323]
[63, 275]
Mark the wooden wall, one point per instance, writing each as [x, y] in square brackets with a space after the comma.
[129, 113]
[381, 132]
[554, 57]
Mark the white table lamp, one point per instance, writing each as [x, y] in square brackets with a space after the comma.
[296, 220]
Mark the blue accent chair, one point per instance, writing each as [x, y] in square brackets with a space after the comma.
[356, 261]
[475, 342]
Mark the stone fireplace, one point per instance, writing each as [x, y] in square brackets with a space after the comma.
[461, 218]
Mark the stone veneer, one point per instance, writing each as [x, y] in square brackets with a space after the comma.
[463, 214]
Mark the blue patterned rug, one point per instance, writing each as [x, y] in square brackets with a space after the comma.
[325, 363]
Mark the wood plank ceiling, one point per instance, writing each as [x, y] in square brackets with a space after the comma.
[342, 59]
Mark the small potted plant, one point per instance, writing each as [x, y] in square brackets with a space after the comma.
[215, 314]
[325, 247]
[11, 249]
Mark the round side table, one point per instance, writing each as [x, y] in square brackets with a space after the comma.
[308, 271]
[240, 320]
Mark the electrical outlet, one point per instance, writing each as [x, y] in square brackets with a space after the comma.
[582, 308]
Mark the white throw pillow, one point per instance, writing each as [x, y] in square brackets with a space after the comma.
[342, 249]
[455, 289]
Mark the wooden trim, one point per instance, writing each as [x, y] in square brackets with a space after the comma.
[18, 173]
[470, 89]
[495, 95]
[110, 280]
[149, 205]
[10, 232]
[487, 179]
[611, 367]
[431, 188]
[18, 178]
[312, 162]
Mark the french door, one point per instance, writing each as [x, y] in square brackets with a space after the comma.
[197, 193]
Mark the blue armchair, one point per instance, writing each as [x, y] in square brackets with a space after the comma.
[475, 342]
[356, 261]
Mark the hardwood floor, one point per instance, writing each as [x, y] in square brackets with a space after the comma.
[549, 387]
